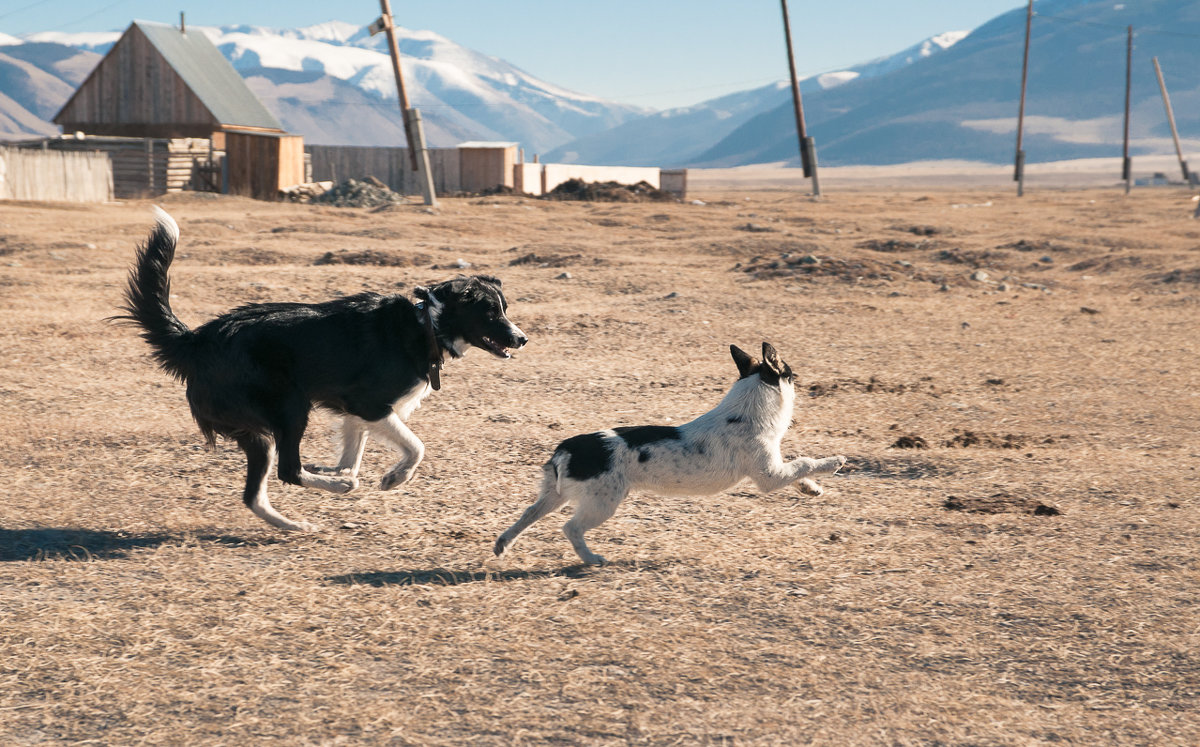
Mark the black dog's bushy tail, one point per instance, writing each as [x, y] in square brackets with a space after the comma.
[147, 298]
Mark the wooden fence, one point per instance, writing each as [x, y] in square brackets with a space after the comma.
[144, 167]
[55, 176]
[391, 166]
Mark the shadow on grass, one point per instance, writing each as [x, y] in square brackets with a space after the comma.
[448, 577]
[89, 544]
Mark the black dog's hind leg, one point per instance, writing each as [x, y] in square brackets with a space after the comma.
[260, 452]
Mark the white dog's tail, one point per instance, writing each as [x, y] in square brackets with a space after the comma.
[549, 499]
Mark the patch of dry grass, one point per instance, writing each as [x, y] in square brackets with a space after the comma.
[141, 603]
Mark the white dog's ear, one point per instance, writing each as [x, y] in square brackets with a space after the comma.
[746, 364]
[770, 357]
[772, 361]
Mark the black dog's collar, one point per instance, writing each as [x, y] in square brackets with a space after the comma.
[436, 356]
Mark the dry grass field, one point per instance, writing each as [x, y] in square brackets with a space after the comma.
[1030, 576]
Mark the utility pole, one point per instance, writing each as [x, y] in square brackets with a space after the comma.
[1019, 171]
[1126, 164]
[808, 149]
[1162, 86]
[415, 138]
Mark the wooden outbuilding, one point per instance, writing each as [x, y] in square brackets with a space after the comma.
[486, 165]
[260, 164]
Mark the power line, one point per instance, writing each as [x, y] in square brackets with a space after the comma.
[23, 8]
[94, 13]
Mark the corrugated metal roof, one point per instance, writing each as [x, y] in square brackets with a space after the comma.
[209, 75]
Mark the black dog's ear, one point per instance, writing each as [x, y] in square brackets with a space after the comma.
[421, 292]
[489, 279]
[746, 365]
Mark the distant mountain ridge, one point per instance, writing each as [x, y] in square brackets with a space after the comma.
[953, 95]
[680, 136]
[962, 103]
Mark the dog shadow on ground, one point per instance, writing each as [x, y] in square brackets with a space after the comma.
[90, 544]
[449, 577]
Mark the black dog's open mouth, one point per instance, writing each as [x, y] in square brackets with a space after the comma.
[495, 348]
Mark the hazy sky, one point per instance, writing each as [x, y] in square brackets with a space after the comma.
[652, 53]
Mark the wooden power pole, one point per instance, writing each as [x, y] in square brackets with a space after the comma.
[413, 133]
[1162, 86]
[1126, 164]
[808, 149]
[1019, 170]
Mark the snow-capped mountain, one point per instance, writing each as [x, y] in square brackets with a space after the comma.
[333, 83]
[951, 96]
[677, 137]
[962, 102]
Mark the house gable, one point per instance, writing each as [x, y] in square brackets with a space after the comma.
[159, 82]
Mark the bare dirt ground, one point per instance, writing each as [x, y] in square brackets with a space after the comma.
[1024, 572]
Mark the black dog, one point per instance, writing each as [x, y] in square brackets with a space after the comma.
[255, 373]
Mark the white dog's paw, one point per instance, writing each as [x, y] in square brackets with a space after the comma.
[593, 559]
[342, 486]
[299, 526]
[320, 469]
[809, 487]
[830, 465]
[397, 477]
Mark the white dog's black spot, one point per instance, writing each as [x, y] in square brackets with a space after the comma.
[644, 435]
[587, 456]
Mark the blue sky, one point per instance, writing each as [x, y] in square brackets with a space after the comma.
[652, 53]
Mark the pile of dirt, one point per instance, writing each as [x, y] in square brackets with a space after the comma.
[984, 258]
[894, 245]
[1179, 276]
[999, 503]
[1107, 264]
[791, 265]
[372, 258]
[872, 385]
[968, 439]
[1041, 247]
[548, 260]
[578, 189]
[499, 189]
[369, 192]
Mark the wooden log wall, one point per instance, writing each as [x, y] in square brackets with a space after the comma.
[144, 167]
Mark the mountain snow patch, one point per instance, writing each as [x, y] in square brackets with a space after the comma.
[833, 80]
[942, 41]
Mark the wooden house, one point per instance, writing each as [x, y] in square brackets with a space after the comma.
[162, 83]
